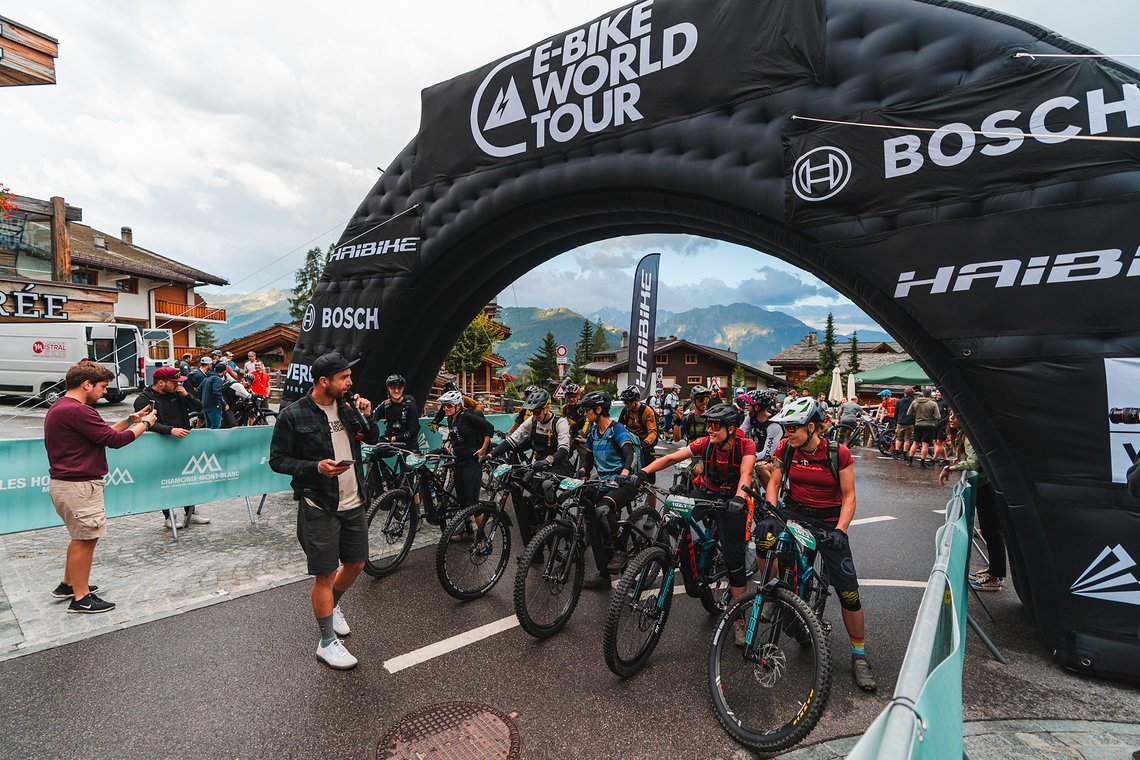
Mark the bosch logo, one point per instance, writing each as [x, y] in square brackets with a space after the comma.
[38, 347]
[821, 173]
[310, 319]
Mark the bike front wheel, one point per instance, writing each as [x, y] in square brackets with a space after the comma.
[638, 611]
[392, 522]
[887, 443]
[470, 564]
[769, 693]
[549, 581]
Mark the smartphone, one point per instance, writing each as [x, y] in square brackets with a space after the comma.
[345, 463]
[145, 410]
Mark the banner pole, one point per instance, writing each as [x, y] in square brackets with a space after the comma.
[249, 510]
[264, 496]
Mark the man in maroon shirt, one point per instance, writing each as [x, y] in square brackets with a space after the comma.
[76, 438]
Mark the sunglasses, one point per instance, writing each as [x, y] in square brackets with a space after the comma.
[715, 426]
[792, 428]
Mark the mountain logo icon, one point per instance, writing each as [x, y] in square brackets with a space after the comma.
[201, 464]
[118, 477]
[1108, 578]
[508, 107]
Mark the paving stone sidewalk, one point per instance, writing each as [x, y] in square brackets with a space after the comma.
[147, 572]
[1019, 740]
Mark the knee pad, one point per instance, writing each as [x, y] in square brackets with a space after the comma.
[849, 600]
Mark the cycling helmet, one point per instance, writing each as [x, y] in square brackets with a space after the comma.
[884, 393]
[766, 400]
[454, 398]
[396, 381]
[536, 400]
[530, 389]
[699, 390]
[630, 394]
[595, 399]
[450, 386]
[726, 414]
[800, 412]
[571, 389]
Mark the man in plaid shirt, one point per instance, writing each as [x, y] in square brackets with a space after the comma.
[317, 442]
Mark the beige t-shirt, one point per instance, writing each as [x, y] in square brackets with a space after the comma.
[342, 452]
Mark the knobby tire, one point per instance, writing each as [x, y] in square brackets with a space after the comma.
[455, 561]
[644, 579]
[386, 513]
[559, 574]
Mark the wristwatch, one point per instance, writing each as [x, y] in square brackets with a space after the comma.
[145, 422]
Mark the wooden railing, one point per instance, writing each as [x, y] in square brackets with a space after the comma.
[185, 311]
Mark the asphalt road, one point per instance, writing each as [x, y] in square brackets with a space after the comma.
[240, 679]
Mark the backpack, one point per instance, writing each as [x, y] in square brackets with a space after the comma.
[636, 447]
[832, 459]
[737, 457]
[641, 446]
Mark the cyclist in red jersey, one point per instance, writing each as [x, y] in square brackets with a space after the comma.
[819, 488]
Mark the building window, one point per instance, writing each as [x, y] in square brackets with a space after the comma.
[669, 381]
[690, 358]
[84, 276]
[693, 380]
[128, 285]
[661, 360]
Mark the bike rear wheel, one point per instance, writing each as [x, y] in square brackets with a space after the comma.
[638, 611]
[265, 418]
[549, 581]
[887, 443]
[469, 568]
[392, 523]
[769, 694]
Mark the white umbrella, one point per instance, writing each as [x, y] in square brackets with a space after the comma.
[836, 391]
[851, 387]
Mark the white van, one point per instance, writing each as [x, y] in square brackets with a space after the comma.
[34, 357]
[159, 351]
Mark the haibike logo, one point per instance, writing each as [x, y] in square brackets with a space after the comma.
[357, 318]
[202, 463]
[1008, 273]
[901, 155]
[587, 80]
[1110, 582]
[300, 373]
[118, 477]
[821, 173]
[376, 248]
[310, 319]
[643, 349]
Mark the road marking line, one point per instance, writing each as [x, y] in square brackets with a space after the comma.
[885, 582]
[883, 457]
[458, 641]
[865, 520]
[939, 511]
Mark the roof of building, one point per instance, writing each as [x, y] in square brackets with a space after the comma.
[620, 358]
[132, 259]
[280, 332]
[806, 352]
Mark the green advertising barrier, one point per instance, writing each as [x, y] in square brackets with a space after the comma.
[924, 719]
[159, 472]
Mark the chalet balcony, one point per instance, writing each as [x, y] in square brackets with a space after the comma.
[189, 313]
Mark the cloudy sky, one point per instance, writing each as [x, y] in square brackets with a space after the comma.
[234, 136]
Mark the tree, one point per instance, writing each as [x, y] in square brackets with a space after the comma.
[544, 364]
[601, 342]
[306, 281]
[583, 351]
[738, 377]
[476, 342]
[853, 360]
[828, 357]
[204, 336]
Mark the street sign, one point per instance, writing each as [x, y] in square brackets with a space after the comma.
[561, 351]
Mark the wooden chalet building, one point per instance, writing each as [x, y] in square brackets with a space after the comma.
[682, 364]
[26, 56]
[273, 345]
[799, 362]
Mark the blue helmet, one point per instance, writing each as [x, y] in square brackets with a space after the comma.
[884, 393]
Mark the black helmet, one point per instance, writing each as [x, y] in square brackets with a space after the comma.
[726, 414]
[630, 394]
[536, 400]
[450, 386]
[766, 400]
[595, 399]
[572, 389]
[396, 381]
[530, 389]
[698, 391]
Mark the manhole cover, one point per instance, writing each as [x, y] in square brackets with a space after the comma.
[452, 731]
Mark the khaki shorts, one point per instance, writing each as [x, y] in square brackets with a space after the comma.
[79, 503]
[904, 433]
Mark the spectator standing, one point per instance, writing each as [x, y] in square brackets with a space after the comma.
[76, 439]
[470, 434]
[941, 434]
[670, 405]
[991, 578]
[926, 418]
[250, 363]
[172, 405]
[317, 442]
[849, 413]
[210, 394]
[904, 424]
[260, 384]
[194, 379]
[186, 366]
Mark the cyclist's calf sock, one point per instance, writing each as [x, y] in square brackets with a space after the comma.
[857, 648]
[328, 635]
[337, 594]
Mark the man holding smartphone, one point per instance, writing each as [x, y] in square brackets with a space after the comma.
[317, 442]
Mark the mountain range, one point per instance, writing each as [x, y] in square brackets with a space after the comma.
[755, 333]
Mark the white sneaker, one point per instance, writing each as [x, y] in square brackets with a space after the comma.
[197, 519]
[336, 656]
[340, 625]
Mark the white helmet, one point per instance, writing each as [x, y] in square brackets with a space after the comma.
[800, 412]
[452, 397]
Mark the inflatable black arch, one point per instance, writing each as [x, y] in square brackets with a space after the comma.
[984, 230]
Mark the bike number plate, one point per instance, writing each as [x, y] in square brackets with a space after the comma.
[802, 535]
[682, 506]
[683, 466]
[502, 470]
[570, 484]
[415, 460]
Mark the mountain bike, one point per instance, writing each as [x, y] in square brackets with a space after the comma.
[882, 436]
[641, 602]
[770, 693]
[253, 411]
[394, 518]
[475, 547]
[550, 569]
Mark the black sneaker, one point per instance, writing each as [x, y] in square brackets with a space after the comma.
[63, 591]
[598, 582]
[617, 561]
[90, 604]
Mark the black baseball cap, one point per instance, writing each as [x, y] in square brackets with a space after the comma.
[329, 364]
